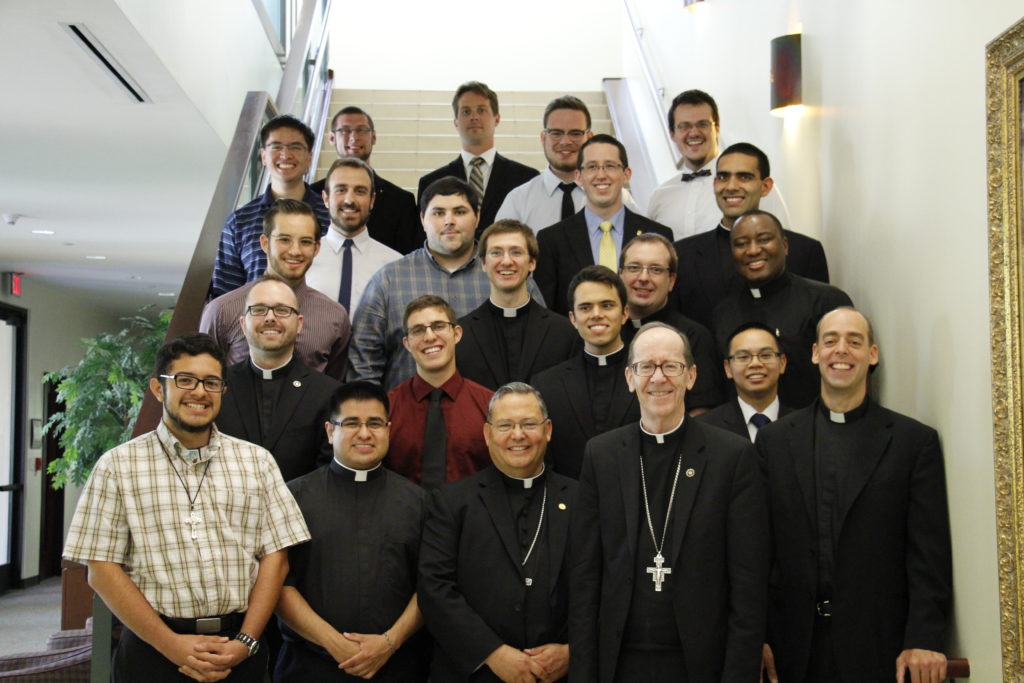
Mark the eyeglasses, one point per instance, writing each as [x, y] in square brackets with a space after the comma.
[636, 269]
[513, 253]
[437, 327]
[351, 424]
[557, 134]
[360, 131]
[261, 310]
[508, 427]
[610, 167]
[702, 126]
[294, 148]
[214, 385]
[671, 368]
[743, 357]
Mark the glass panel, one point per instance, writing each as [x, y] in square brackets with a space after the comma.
[6, 500]
[275, 10]
[6, 436]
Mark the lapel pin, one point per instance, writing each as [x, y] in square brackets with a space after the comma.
[296, 384]
[561, 506]
[691, 472]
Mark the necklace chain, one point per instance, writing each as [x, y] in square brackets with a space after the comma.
[647, 505]
[188, 493]
[536, 534]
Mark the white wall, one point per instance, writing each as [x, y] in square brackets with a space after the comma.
[888, 167]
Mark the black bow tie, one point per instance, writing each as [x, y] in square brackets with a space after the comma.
[687, 177]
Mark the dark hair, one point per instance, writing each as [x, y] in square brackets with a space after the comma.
[268, 277]
[287, 121]
[478, 88]
[359, 390]
[350, 110]
[520, 388]
[767, 214]
[509, 225]
[291, 207]
[751, 325]
[428, 301]
[603, 138]
[349, 162]
[691, 97]
[446, 187]
[600, 274]
[652, 238]
[192, 344]
[751, 151]
[687, 349]
[566, 102]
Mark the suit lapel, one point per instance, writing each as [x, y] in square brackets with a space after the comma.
[622, 400]
[495, 500]
[710, 268]
[875, 436]
[495, 182]
[457, 169]
[694, 459]
[485, 336]
[559, 529]
[578, 241]
[735, 418]
[629, 483]
[536, 331]
[632, 225]
[247, 410]
[574, 381]
[292, 391]
[801, 448]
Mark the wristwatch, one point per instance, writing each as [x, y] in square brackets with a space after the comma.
[249, 642]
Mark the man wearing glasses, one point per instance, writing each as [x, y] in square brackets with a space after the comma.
[184, 530]
[438, 415]
[670, 546]
[493, 565]
[596, 234]
[349, 601]
[393, 219]
[285, 144]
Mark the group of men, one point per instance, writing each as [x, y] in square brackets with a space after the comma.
[568, 439]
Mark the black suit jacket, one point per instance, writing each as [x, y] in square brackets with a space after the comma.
[707, 271]
[394, 219]
[729, 417]
[565, 249]
[892, 577]
[471, 584]
[718, 552]
[297, 438]
[564, 388]
[506, 175]
[549, 339]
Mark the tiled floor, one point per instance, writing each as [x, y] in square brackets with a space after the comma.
[28, 616]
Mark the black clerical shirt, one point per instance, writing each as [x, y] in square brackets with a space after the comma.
[602, 371]
[512, 335]
[268, 390]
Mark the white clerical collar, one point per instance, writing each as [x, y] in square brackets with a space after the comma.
[527, 481]
[660, 438]
[637, 323]
[358, 475]
[510, 312]
[755, 292]
[771, 412]
[268, 373]
[602, 359]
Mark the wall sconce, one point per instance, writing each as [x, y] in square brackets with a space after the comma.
[787, 92]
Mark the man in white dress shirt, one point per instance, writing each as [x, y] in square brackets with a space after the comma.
[349, 257]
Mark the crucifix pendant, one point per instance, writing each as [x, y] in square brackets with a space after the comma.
[193, 520]
[658, 573]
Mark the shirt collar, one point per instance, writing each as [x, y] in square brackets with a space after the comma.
[771, 412]
[471, 263]
[770, 288]
[710, 166]
[421, 390]
[189, 456]
[271, 373]
[551, 182]
[503, 312]
[336, 241]
[488, 157]
[594, 221]
[349, 474]
[660, 438]
[606, 359]
[523, 482]
[847, 417]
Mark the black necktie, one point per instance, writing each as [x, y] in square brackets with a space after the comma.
[687, 177]
[568, 207]
[345, 291]
[435, 443]
[759, 420]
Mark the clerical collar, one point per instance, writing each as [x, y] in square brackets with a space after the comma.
[658, 316]
[523, 482]
[349, 474]
[502, 312]
[272, 373]
[770, 288]
[660, 438]
[847, 417]
[607, 359]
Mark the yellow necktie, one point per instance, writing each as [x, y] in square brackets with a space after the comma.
[606, 249]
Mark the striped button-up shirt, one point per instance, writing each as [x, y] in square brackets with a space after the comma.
[135, 511]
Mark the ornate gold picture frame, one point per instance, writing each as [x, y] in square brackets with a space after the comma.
[1005, 85]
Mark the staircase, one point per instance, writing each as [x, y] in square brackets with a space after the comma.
[415, 134]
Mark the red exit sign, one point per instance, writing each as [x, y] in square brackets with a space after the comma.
[13, 283]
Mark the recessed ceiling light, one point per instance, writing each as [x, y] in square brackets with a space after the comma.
[43, 232]
[166, 294]
[96, 257]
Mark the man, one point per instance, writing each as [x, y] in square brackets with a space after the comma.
[394, 220]
[784, 302]
[510, 337]
[438, 415]
[291, 239]
[491, 175]
[276, 401]
[352, 256]
[493, 580]
[335, 612]
[754, 363]
[596, 234]
[184, 530]
[587, 395]
[670, 546]
[648, 267]
[686, 201]
[861, 575]
[285, 144]
[446, 265]
[706, 270]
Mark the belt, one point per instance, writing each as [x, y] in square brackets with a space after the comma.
[206, 625]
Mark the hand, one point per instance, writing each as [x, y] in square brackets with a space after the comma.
[179, 647]
[373, 653]
[553, 659]
[340, 648]
[223, 655]
[513, 666]
[768, 664]
[926, 666]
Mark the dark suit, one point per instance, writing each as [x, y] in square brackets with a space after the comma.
[394, 220]
[549, 339]
[564, 388]
[729, 417]
[707, 271]
[472, 590]
[296, 438]
[565, 249]
[892, 576]
[506, 175]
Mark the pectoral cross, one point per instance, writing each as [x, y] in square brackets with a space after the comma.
[657, 572]
[194, 519]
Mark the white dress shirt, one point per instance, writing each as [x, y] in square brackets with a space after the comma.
[771, 412]
[368, 256]
[538, 201]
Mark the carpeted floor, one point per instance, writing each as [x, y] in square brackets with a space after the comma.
[28, 616]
